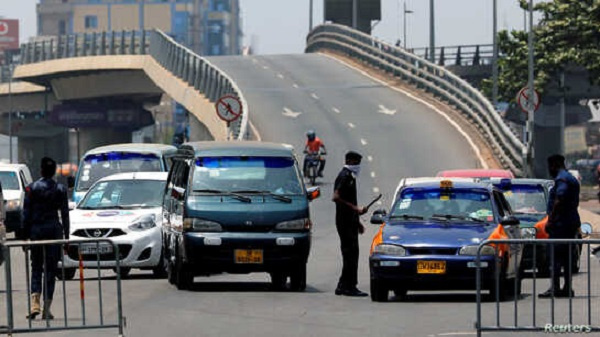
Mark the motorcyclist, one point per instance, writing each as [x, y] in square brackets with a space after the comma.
[313, 147]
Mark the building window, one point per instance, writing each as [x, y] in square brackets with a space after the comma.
[91, 22]
[62, 27]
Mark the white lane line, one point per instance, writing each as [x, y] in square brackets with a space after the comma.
[460, 130]
[379, 202]
[457, 334]
[370, 158]
[336, 110]
[363, 141]
[255, 131]
[265, 67]
[351, 126]
[289, 113]
[313, 95]
[280, 76]
[375, 189]
[295, 86]
[386, 111]
[373, 175]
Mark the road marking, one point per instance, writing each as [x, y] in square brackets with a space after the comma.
[375, 189]
[336, 110]
[372, 174]
[363, 141]
[295, 86]
[386, 111]
[352, 126]
[280, 76]
[265, 67]
[474, 147]
[254, 61]
[379, 202]
[313, 95]
[289, 113]
[457, 334]
[370, 158]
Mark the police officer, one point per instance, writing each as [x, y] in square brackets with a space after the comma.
[348, 224]
[44, 199]
[563, 223]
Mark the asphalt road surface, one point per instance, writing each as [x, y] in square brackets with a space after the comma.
[398, 136]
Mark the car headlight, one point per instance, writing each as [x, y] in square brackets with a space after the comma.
[294, 225]
[385, 249]
[472, 250]
[201, 225]
[12, 205]
[528, 233]
[143, 223]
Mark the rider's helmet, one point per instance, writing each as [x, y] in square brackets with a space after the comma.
[311, 135]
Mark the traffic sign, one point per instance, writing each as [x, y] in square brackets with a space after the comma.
[229, 108]
[525, 103]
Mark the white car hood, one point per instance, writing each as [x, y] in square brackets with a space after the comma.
[11, 194]
[109, 218]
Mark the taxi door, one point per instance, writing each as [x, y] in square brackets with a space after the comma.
[513, 232]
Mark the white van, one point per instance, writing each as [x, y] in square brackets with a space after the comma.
[14, 178]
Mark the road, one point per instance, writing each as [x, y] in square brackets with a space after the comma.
[398, 137]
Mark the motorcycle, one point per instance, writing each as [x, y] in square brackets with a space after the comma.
[313, 162]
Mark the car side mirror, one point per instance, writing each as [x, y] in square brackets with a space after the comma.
[586, 229]
[70, 182]
[378, 217]
[313, 193]
[510, 221]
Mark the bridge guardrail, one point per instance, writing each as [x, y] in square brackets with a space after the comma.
[507, 147]
[81, 308]
[193, 69]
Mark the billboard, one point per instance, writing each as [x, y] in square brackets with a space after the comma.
[9, 34]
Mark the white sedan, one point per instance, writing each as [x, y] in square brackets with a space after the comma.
[125, 208]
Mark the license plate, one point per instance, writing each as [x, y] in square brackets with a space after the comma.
[93, 248]
[431, 267]
[249, 256]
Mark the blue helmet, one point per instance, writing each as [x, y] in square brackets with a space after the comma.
[311, 135]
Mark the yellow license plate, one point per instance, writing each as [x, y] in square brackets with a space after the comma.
[431, 267]
[246, 256]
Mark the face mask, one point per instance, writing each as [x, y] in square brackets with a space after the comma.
[354, 169]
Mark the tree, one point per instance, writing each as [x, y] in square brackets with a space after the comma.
[567, 35]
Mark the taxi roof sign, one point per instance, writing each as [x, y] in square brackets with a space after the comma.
[446, 184]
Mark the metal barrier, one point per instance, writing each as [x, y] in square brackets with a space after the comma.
[464, 55]
[183, 63]
[69, 294]
[417, 71]
[523, 312]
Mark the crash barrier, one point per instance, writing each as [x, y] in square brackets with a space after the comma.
[417, 71]
[78, 304]
[524, 311]
[193, 69]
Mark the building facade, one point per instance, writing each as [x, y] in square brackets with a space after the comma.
[209, 27]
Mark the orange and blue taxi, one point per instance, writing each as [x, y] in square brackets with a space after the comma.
[431, 236]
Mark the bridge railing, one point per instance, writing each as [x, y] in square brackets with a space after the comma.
[417, 71]
[465, 55]
[193, 69]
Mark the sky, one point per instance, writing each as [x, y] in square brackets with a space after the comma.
[280, 26]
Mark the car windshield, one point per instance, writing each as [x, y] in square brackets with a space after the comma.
[98, 166]
[526, 199]
[9, 180]
[278, 175]
[444, 204]
[124, 194]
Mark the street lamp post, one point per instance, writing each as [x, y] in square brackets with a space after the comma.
[355, 14]
[10, 112]
[495, 55]
[310, 15]
[404, 21]
[528, 164]
[431, 32]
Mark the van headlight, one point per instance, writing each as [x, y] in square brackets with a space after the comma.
[472, 250]
[143, 223]
[294, 225]
[386, 249]
[12, 205]
[528, 233]
[201, 225]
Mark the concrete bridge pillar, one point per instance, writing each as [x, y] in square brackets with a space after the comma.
[198, 131]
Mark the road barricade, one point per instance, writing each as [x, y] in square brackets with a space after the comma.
[77, 305]
[515, 304]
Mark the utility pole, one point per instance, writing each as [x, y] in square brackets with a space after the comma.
[495, 56]
[404, 20]
[10, 111]
[310, 15]
[431, 32]
[355, 14]
[528, 164]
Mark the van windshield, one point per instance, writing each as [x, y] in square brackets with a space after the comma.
[9, 181]
[97, 166]
[277, 175]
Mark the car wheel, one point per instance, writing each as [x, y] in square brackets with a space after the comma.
[184, 278]
[160, 271]
[379, 293]
[124, 272]
[278, 280]
[68, 272]
[298, 278]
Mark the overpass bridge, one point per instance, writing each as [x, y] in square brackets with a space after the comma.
[331, 89]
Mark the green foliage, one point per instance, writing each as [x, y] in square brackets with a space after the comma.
[568, 34]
